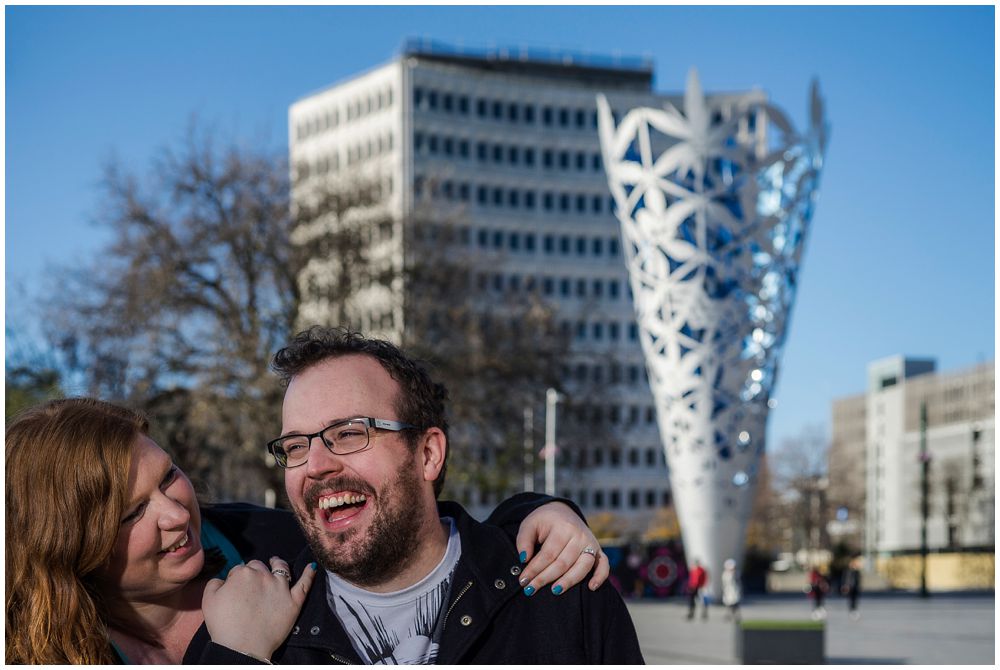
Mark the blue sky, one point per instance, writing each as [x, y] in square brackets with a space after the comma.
[901, 254]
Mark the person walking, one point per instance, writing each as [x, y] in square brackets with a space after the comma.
[732, 591]
[697, 579]
[818, 587]
[851, 587]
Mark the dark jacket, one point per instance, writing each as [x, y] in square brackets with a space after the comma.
[488, 618]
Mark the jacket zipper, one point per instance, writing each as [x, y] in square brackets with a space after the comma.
[444, 623]
[338, 659]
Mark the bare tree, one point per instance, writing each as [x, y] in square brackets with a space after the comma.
[181, 312]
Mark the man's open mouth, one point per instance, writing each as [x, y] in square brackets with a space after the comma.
[341, 505]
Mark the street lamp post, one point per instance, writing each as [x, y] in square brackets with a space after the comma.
[925, 462]
[529, 450]
[551, 398]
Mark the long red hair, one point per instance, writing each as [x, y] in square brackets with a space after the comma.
[67, 481]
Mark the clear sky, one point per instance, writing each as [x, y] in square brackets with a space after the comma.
[901, 254]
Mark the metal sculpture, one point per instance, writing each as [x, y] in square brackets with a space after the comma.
[714, 205]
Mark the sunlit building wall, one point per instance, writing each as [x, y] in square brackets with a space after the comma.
[960, 445]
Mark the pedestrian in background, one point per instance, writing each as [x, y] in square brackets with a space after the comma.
[697, 579]
[818, 586]
[851, 587]
[732, 590]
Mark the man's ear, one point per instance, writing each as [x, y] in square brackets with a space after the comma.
[433, 448]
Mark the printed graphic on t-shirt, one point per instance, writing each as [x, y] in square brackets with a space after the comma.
[381, 644]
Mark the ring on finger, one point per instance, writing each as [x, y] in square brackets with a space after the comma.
[589, 550]
[282, 573]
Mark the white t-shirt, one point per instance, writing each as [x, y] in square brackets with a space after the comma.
[402, 626]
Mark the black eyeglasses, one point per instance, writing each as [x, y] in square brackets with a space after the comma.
[344, 437]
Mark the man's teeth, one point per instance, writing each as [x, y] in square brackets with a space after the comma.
[175, 547]
[337, 501]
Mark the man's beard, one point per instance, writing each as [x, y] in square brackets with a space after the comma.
[391, 537]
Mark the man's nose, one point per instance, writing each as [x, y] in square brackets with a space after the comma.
[321, 460]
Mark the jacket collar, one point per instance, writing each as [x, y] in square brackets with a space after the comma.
[486, 577]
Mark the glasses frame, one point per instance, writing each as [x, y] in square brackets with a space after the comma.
[369, 423]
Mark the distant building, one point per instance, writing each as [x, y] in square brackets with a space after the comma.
[960, 445]
[506, 141]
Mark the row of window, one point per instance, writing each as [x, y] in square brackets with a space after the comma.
[613, 499]
[354, 154]
[615, 373]
[614, 415]
[564, 287]
[589, 498]
[500, 197]
[506, 154]
[491, 109]
[369, 103]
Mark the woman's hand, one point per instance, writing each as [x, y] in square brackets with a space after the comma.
[564, 559]
[253, 611]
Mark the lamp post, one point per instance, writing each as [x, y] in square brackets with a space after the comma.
[925, 463]
[551, 398]
[529, 451]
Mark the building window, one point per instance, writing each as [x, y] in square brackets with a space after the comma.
[564, 202]
[513, 155]
[432, 99]
[481, 108]
[598, 498]
[512, 112]
[614, 331]
[529, 114]
[564, 245]
[633, 332]
[581, 288]
[463, 104]
[418, 98]
[514, 198]
[481, 151]
[581, 161]
[564, 287]
[596, 162]
[497, 110]
[547, 116]
[581, 118]
[597, 203]
[612, 247]
[563, 117]
[497, 153]
[529, 240]
[564, 160]
[529, 199]
[547, 158]
[581, 203]
[597, 246]
[482, 195]
[616, 501]
[651, 457]
[548, 244]
[449, 146]
[547, 201]
[447, 102]
[581, 246]
[529, 157]
[598, 289]
[498, 197]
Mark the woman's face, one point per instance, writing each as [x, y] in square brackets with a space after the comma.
[158, 550]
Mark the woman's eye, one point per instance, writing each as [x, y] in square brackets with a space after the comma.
[135, 514]
[171, 475]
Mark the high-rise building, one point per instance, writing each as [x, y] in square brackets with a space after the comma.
[507, 143]
[911, 413]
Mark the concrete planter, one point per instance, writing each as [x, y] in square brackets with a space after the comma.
[774, 642]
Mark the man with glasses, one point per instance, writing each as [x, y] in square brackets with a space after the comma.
[408, 579]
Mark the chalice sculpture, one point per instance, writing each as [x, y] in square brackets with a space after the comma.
[714, 204]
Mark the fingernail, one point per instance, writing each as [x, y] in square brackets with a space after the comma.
[557, 589]
[529, 590]
[524, 580]
[313, 564]
[524, 556]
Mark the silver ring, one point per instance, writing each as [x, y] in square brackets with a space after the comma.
[282, 573]
[589, 550]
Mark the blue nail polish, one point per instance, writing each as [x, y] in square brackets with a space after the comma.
[557, 589]
[529, 590]
[524, 556]
[313, 564]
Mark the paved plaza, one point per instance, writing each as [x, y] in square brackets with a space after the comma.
[893, 629]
